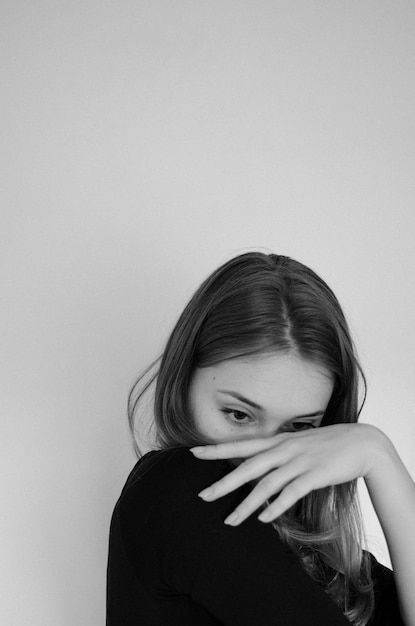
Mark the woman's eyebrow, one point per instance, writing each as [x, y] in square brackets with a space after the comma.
[238, 396]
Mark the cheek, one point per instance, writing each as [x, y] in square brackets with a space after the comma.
[208, 422]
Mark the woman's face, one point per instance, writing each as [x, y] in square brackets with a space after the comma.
[291, 394]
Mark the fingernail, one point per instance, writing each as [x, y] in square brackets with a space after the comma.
[232, 519]
[265, 516]
[206, 493]
[198, 450]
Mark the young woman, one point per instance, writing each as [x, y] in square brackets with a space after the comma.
[246, 512]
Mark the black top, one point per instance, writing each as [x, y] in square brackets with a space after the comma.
[172, 560]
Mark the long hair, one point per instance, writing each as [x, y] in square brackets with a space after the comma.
[258, 304]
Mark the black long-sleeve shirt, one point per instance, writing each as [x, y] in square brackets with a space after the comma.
[172, 561]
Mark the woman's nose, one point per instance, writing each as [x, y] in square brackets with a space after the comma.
[271, 430]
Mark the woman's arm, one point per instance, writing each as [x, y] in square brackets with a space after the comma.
[392, 492]
[295, 464]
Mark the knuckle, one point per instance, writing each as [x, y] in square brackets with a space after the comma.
[212, 449]
[294, 490]
[247, 465]
[266, 484]
[291, 444]
[243, 509]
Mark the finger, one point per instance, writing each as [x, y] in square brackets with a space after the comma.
[290, 494]
[270, 485]
[234, 449]
[251, 469]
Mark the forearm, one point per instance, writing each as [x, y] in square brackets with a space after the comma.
[392, 492]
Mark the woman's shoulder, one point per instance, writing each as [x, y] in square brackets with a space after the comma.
[160, 498]
[166, 477]
[173, 465]
[176, 540]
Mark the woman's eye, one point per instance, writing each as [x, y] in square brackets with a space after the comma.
[296, 426]
[238, 417]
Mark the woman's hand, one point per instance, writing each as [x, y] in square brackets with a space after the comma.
[293, 465]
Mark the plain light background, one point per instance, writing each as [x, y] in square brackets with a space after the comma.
[144, 144]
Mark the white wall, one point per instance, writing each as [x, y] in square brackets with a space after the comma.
[146, 142]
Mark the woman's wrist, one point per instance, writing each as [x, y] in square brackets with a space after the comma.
[380, 454]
